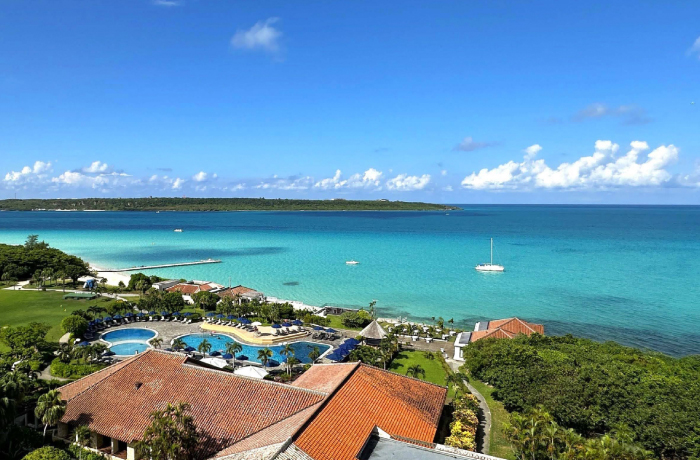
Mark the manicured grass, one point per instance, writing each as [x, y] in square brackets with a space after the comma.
[336, 324]
[434, 371]
[23, 307]
[500, 447]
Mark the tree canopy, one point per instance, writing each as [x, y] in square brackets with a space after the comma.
[594, 387]
[172, 435]
[21, 262]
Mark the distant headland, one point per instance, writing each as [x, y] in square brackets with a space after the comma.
[214, 204]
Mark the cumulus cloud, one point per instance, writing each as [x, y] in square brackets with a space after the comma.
[628, 114]
[97, 167]
[695, 49]
[468, 144]
[369, 179]
[289, 183]
[177, 183]
[406, 183]
[28, 174]
[103, 181]
[262, 36]
[201, 176]
[601, 170]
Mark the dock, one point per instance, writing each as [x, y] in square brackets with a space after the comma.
[151, 267]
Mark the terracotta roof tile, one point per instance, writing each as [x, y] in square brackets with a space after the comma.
[184, 288]
[325, 377]
[516, 326]
[226, 408]
[372, 397]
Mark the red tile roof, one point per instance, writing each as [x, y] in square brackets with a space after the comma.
[325, 377]
[184, 288]
[507, 329]
[372, 397]
[226, 408]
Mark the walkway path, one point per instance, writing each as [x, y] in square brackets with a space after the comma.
[485, 420]
[46, 375]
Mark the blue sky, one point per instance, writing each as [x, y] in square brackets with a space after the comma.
[454, 101]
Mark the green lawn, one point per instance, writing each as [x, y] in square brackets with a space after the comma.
[336, 324]
[500, 447]
[22, 307]
[434, 371]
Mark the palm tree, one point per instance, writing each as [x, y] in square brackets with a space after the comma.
[454, 381]
[314, 354]
[204, 347]
[179, 344]
[95, 310]
[65, 352]
[50, 408]
[264, 356]
[415, 371]
[158, 341]
[286, 351]
[82, 437]
[233, 348]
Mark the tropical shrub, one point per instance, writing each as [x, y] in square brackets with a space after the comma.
[464, 424]
[72, 370]
[84, 454]
[47, 453]
[74, 324]
[359, 318]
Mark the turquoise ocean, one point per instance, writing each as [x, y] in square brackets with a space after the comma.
[629, 274]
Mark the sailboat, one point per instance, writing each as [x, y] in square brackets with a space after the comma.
[490, 267]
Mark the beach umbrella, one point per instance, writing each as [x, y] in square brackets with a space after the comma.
[164, 313]
[318, 328]
[352, 340]
[242, 358]
[189, 349]
[215, 353]
[98, 320]
[276, 326]
[211, 314]
[287, 324]
[219, 315]
[177, 313]
[117, 316]
[129, 315]
[227, 356]
[256, 323]
[272, 363]
[108, 318]
[331, 330]
[297, 322]
[240, 318]
[188, 314]
[230, 317]
[151, 313]
[140, 315]
[245, 321]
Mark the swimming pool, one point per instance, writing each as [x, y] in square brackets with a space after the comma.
[128, 341]
[218, 343]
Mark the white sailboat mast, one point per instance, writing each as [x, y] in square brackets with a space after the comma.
[491, 251]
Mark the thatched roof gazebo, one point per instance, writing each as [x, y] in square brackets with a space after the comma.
[373, 333]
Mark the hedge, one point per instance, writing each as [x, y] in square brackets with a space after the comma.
[72, 371]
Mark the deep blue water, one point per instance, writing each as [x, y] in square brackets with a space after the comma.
[623, 273]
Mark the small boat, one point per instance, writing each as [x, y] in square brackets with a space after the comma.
[490, 267]
[178, 230]
[352, 262]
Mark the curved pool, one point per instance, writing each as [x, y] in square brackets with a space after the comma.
[218, 343]
[128, 341]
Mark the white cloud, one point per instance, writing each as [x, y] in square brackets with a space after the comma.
[29, 174]
[469, 145]
[96, 167]
[201, 176]
[262, 36]
[406, 183]
[629, 114]
[601, 170]
[695, 49]
[167, 3]
[177, 183]
[104, 182]
[447, 188]
[369, 179]
[443, 172]
[290, 183]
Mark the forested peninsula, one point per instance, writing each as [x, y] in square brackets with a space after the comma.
[214, 204]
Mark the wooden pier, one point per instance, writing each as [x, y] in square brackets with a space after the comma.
[151, 267]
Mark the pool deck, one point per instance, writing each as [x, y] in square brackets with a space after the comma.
[264, 338]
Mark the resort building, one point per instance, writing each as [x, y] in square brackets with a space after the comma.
[242, 293]
[499, 329]
[331, 412]
[373, 333]
[164, 285]
[189, 288]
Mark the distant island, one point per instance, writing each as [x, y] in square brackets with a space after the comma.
[215, 204]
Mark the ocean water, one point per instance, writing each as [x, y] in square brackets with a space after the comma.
[629, 274]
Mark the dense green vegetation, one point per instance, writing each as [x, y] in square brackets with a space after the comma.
[597, 388]
[499, 446]
[35, 259]
[216, 204]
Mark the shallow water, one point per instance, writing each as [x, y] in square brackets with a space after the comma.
[611, 273]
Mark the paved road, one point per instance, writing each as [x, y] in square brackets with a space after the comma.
[484, 430]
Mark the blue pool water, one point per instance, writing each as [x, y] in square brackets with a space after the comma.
[623, 273]
[128, 348]
[121, 335]
[218, 343]
[129, 341]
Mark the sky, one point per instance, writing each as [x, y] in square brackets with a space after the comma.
[450, 101]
